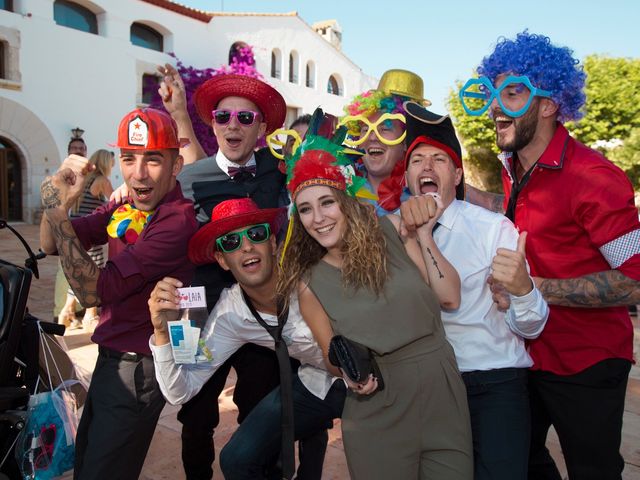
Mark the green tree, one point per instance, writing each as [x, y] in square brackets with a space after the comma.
[612, 109]
[478, 138]
[627, 157]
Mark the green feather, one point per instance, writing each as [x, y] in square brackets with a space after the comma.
[334, 146]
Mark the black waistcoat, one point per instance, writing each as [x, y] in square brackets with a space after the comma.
[266, 189]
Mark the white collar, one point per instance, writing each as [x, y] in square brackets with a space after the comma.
[224, 163]
[448, 217]
[507, 159]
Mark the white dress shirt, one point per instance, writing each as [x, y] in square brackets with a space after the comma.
[483, 337]
[231, 325]
[224, 163]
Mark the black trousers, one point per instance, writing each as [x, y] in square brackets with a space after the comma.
[257, 374]
[119, 417]
[257, 442]
[500, 423]
[586, 411]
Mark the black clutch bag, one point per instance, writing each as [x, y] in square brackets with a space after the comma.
[355, 360]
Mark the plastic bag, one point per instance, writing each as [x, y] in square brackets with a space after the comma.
[46, 446]
[56, 364]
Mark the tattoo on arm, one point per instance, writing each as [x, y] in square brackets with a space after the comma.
[50, 194]
[80, 270]
[435, 264]
[488, 200]
[497, 202]
[602, 289]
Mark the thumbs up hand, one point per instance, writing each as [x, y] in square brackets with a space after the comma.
[509, 268]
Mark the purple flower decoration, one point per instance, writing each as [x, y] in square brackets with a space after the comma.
[242, 63]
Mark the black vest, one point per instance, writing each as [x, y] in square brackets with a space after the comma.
[267, 189]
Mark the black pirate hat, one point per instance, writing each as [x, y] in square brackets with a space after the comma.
[426, 127]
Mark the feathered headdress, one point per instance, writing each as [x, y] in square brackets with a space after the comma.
[323, 160]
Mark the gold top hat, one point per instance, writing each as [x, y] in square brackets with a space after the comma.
[405, 83]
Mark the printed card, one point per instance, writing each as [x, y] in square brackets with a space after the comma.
[192, 297]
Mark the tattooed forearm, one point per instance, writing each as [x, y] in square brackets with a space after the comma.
[488, 200]
[435, 264]
[50, 194]
[80, 270]
[497, 203]
[602, 289]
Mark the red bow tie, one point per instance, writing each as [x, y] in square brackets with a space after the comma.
[235, 171]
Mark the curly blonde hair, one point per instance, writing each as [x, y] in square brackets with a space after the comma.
[363, 250]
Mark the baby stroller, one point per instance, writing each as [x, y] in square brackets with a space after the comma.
[16, 376]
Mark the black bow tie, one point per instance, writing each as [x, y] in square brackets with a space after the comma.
[242, 172]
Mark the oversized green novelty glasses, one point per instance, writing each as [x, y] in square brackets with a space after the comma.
[514, 95]
[231, 242]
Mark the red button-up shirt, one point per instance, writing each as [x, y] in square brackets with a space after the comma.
[578, 209]
[126, 281]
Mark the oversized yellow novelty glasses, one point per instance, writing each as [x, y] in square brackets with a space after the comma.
[274, 141]
[385, 133]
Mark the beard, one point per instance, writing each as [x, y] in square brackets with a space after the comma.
[524, 131]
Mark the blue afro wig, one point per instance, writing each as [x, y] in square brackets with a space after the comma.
[547, 66]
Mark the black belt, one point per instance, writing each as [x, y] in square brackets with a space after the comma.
[126, 356]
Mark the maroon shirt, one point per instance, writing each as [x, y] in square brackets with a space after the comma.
[131, 273]
[578, 209]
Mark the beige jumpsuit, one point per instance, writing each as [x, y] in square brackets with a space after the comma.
[418, 426]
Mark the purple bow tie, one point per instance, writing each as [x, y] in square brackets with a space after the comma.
[234, 171]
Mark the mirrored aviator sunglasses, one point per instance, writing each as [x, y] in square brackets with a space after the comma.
[232, 241]
[244, 117]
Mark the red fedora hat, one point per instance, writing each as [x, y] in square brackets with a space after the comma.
[226, 217]
[267, 99]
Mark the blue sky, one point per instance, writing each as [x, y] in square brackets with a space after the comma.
[444, 41]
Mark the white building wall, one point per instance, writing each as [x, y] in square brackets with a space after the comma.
[289, 33]
[67, 78]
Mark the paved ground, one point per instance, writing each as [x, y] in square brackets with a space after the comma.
[163, 460]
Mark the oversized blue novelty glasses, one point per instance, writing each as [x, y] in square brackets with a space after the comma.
[514, 95]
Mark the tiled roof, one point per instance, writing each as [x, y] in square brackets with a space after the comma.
[182, 9]
[252, 14]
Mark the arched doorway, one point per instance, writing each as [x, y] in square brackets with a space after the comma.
[33, 154]
[10, 182]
